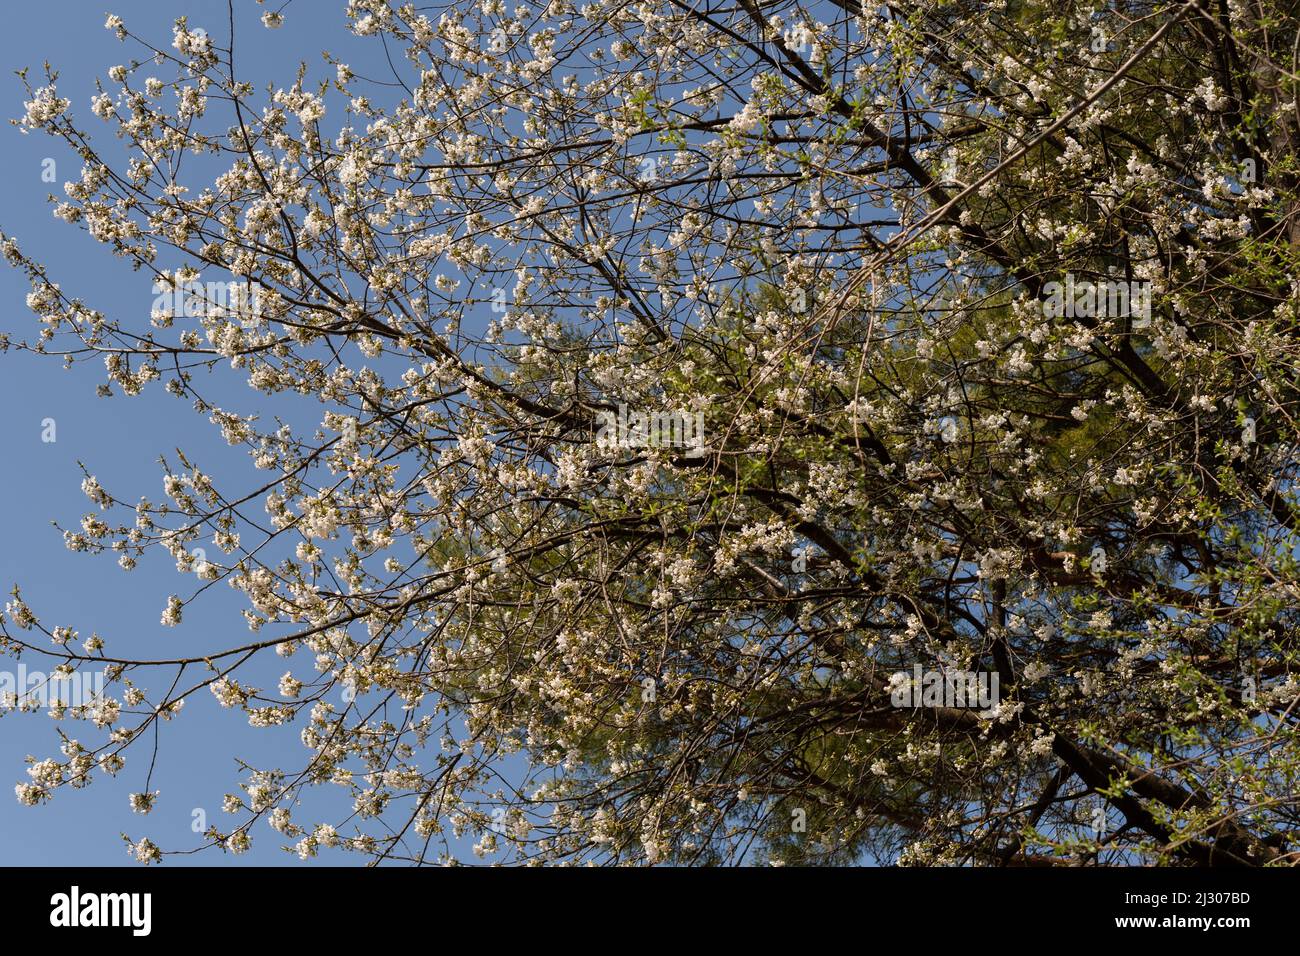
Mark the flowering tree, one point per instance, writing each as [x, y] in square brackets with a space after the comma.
[691, 376]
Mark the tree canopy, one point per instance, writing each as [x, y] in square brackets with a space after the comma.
[689, 375]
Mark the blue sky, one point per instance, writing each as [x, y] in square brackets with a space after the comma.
[119, 440]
